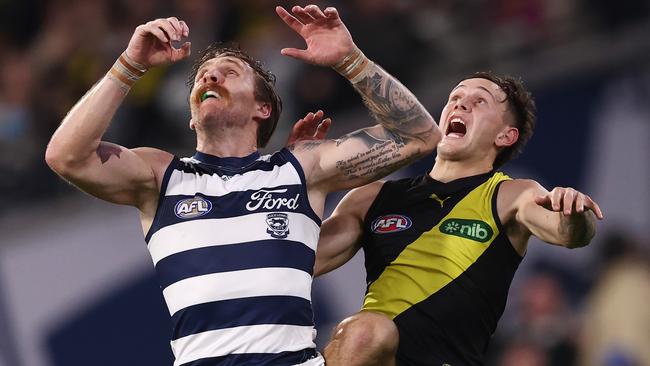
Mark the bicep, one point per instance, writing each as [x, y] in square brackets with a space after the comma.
[341, 233]
[338, 243]
[116, 174]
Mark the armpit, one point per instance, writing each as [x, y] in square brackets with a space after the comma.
[105, 150]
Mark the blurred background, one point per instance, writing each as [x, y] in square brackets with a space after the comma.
[77, 285]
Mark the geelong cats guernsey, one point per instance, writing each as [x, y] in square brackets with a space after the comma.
[233, 243]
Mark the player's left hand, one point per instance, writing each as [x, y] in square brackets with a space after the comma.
[311, 127]
[568, 201]
[328, 40]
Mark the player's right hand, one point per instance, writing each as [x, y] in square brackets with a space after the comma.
[328, 40]
[151, 43]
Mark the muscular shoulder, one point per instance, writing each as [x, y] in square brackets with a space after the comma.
[157, 159]
[367, 192]
[513, 194]
[517, 188]
[358, 201]
[308, 153]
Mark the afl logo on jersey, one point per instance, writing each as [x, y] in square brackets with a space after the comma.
[390, 224]
[192, 207]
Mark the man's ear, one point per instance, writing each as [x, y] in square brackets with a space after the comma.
[507, 137]
[263, 110]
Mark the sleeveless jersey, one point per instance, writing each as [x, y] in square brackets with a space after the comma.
[439, 264]
[233, 244]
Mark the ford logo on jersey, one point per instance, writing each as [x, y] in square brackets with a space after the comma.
[192, 207]
[390, 224]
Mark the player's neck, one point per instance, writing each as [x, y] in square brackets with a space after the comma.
[227, 142]
[448, 170]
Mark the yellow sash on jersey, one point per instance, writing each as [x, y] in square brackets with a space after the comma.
[439, 255]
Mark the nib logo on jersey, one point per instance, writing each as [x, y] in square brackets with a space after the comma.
[192, 207]
[390, 224]
[470, 229]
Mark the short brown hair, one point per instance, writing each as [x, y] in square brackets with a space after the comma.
[264, 84]
[521, 104]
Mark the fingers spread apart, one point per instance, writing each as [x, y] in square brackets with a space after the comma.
[309, 128]
[302, 14]
[289, 19]
[315, 12]
[323, 129]
[569, 201]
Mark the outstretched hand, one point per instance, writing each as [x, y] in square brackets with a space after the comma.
[568, 201]
[151, 43]
[311, 127]
[328, 40]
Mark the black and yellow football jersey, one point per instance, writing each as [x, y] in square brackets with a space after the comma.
[440, 264]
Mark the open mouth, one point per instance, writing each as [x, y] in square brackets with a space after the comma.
[210, 94]
[210, 91]
[456, 128]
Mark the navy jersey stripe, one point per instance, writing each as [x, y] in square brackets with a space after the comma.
[257, 310]
[156, 224]
[193, 166]
[234, 257]
[296, 164]
[200, 168]
[235, 204]
[260, 359]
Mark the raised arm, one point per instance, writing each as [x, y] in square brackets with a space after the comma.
[405, 130]
[106, 170]
[563, 216]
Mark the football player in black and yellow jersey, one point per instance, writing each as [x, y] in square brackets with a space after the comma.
[441, 249]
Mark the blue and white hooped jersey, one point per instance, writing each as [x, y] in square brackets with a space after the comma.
[233, 243]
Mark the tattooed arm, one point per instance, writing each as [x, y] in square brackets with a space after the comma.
[405, 133]
[105, 170]
[405, 130]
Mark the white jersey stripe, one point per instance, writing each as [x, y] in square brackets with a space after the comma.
[237, 284]
[212, 232]
[266, 338]
[223, 284]
[181, 183]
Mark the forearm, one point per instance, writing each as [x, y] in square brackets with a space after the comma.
[391, 103]
[80, 133]
[577, 229]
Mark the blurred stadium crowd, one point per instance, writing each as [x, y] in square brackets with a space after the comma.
[51, 52]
